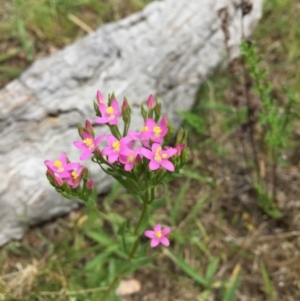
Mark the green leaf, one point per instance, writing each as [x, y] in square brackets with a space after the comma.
[211, 269]
[157, 204]
[170, 177]
[188, 269]
[100, 237]
[139, 262]
[230, 287]
[144, 222]
[268, 287]
[176, 204]
[97, 263]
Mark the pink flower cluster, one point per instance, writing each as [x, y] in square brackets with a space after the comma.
[124, 151]
[62, 171]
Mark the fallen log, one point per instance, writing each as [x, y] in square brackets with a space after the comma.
[167, 49]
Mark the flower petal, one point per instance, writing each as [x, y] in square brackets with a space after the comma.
[99, 138]
[85, 155]
[146, 153]
[149, 233]
[111, 139]
[167, 165]
[79, 144]
[155, 146]
[166, 231]
[63, 158]
[165, 241]
[112, 158]
[157, 227]
[171, 151]
[153, 165]
[154, 242]
[101, 120]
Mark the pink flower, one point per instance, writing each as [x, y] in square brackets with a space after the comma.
[75, 177]
[88, 144]
[130, 160]
[158, 236]
[109, 114]
[159, 157]
[61, 167]
[151, 131]
[116, 148]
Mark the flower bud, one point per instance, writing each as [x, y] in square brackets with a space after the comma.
[50, 176]
[90, 184]
[85, 173]
[58, 181]
[151, 102]
[144, 112]
[157, 111]
[181, 136]
[126, 110]
[110, 98]
[89, 128]
[100, 98]
[80, 130]
[179, 148]
[169, 136]
[96, 109]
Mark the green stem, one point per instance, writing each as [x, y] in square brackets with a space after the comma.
[110, 288]
[134, 248]
[144, 211]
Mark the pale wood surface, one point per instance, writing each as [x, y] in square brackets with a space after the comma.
[167, 49]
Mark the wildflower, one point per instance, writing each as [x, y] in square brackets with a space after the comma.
[158, 236]
[88, 144]
[109, 114]
[61, 167]
[116, 148]
[154, 131]
[151, 131]
[159, 157]
[130, 159]
[75, 177]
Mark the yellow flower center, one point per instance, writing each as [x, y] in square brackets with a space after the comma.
[130, 158]
[145, 129]
[75, 175]
[110, 110]
[158, 234]
[89, 143]
[59, 164]
[157, 131]
[157, 155]
[116, 146]
[164, 155]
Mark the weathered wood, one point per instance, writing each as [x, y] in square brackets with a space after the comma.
[167, 49]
